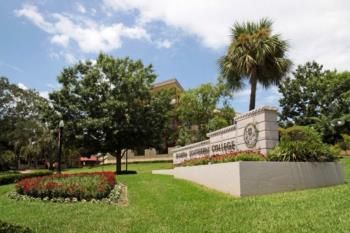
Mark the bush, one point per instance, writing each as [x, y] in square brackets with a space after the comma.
[300, 133]
[345, 143]
[302, 144]
[225, 158]
[196, 161]
[10, 228]
[7, 158]
[238, 156]
[12, 177]
[86, 186]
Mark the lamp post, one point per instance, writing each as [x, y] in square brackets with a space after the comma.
[60, 136]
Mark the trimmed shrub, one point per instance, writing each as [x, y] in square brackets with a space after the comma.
[11, 228]
[300, 133]
[226, 158]
[301, 144]
[345, 143]
[12, 177]
[86, 186]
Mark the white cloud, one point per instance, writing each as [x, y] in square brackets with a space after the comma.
[44, 94]
[244, 93]
[268, 97]
[22, 86]
[80, 8]
[93, 11]
[316, 30]
[164, 44]
[67, 56]
[54, 55]
[62, 40]
[89, 35]
[264, 97]
[70, 58]
[31, 12]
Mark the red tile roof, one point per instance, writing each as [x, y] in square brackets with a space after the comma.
[91, 159]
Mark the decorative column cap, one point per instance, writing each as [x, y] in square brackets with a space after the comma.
[254, 112]
[189, 146]
[222, 130]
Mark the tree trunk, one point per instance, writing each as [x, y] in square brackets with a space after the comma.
[118, 162]
[253, 84]
[18, 161]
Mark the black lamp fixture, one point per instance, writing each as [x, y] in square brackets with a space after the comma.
[60, 137]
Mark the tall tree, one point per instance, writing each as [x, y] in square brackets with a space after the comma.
[23, 115]
[318, 97]
[108, 106]
[256, 55]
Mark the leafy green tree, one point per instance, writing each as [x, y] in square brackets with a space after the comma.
[298, 102]
[22, 118]
[7, 159]
[108, 106]
[164, 111]
[256, 55]
[199, 113]
[317, 97]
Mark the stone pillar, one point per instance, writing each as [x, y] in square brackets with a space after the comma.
[257, 130]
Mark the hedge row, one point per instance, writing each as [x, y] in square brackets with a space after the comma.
[14, 177]
[10, 228]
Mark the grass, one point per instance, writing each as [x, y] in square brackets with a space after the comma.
[8, 173]
[159, 203]
[139, 167]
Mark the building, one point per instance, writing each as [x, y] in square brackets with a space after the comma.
[175, 86]
[171, 84]
[89, 161]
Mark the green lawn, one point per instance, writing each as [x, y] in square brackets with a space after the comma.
[162, 204]
[139, 167]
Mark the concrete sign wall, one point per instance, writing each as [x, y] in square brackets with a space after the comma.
[256, 178]
[254, 130]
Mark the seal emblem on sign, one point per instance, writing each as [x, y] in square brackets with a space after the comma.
[250, 135]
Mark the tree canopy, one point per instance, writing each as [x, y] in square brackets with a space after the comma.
[108, 106]
[24, 123]
[318, 97]
[199, 112]
[256, 55]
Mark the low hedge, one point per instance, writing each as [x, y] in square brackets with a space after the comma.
[11, 228]
[9, 178]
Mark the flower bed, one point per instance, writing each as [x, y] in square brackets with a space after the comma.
[225, 158]
[81, 186]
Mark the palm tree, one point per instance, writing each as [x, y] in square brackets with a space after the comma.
[255, 54]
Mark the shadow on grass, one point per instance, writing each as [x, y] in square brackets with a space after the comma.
[126, 173]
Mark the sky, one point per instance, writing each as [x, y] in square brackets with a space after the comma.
[183, 39]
